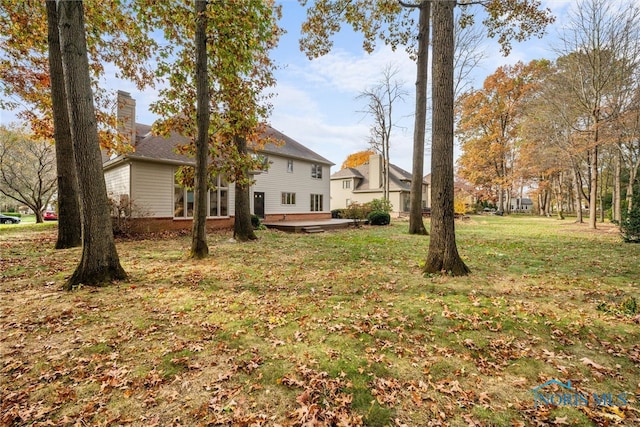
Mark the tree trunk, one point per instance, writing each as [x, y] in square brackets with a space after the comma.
[69, 223]
[242, 227]
[617, 187]
[199, 248]
[632, 179]
[443, 253]
[593, 190]
[99, 263]
[578, 188]
[416, 225]
[604, 185]
[559, 197]
[387, 163]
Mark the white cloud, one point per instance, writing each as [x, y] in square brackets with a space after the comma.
[317, 106]
[345, 72]
[289, 98]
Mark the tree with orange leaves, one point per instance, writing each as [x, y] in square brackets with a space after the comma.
[356, 159]
[489, 126]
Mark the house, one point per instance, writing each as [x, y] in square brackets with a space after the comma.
[295, 186]
[364, 183]
[521, 205]
[464, 192]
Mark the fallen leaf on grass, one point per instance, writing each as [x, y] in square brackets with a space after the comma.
[600, 370]
[519, 382]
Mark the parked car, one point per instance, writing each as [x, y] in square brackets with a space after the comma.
[5, 219]
[50, 216]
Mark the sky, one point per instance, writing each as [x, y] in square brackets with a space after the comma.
[316, 100]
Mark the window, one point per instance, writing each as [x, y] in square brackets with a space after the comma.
[183, 200]
[316, 202]
[288, 198]
[316, 171]
[218, 198]
[346, 183]
[290, 165]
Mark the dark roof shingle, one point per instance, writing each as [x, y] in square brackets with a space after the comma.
[160, 148]
[399, 179]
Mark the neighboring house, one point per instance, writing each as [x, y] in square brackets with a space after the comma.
[465, 192]
[364, 183]
[522, 205]
[296, 185]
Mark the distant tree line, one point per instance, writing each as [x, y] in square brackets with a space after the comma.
[567, 130]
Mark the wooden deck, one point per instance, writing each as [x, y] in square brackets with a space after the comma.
[316, 226]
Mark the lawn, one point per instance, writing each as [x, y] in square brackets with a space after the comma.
[332, 329]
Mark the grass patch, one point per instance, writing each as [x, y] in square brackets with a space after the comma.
[175, 362]
[336, 327]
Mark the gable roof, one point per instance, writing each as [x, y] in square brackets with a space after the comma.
[524, 201]
[399, 179]
[162, 149]
[347, 173]
[290, 148]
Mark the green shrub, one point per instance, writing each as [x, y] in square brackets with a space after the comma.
[339, 213]
[630, 224]
[379, 218]
[356, 212]
[255, 222]
[380, 205]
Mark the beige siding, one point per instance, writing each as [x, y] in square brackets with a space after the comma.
[426, 196]
[340, 195]
[232, 199]
[277, 180]
[153, 193]
[118, 181]
[152, 189]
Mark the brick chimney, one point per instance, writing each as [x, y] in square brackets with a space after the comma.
[126, 116]
[375, 171]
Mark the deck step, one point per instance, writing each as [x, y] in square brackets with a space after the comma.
[313, 229]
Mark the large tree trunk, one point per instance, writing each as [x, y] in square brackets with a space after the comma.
[199, 248]
[99, 263]
[617, 187]
[443, 254]
[386, 159]
[242, 227]
[69, 223]
[416, 225]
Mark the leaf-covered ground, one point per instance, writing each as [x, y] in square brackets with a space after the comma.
[337, 329]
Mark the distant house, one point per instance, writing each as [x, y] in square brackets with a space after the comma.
[465, 192]
[296, 185]
[364, 183]
[521, 205]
